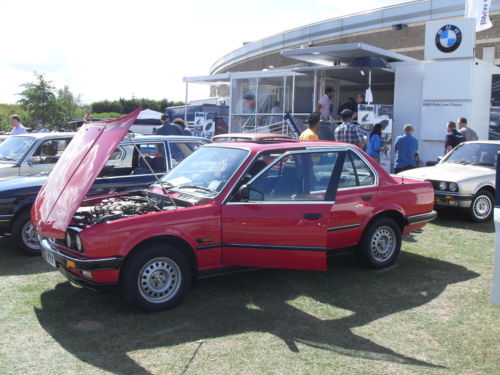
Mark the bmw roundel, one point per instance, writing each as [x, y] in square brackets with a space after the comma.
[448, 38]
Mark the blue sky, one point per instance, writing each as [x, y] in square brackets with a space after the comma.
[110, 49]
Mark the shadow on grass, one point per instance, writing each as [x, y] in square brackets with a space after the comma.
[100, 329]
[14, 262]
[459, 219]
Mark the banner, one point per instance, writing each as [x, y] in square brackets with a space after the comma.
[480, 10]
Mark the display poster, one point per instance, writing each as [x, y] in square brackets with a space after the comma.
[203, 124]
[371, 114]
[494, 130]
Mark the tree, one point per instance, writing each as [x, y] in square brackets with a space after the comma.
[68, 105]
[39, 100]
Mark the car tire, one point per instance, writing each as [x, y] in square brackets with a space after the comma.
[24, 235]
[156, 277]
[481, 207]
[380, 244]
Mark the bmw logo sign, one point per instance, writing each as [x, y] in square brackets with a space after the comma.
[448, 38]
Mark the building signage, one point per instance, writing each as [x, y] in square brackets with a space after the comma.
[445, 39]
[448, 38]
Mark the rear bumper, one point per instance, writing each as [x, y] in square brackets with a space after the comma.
[421, 218]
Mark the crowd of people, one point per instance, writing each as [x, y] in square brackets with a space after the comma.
[405, 145]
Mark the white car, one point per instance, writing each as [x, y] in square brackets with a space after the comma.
[464, 178]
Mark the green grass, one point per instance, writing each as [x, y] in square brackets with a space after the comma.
[428, 314]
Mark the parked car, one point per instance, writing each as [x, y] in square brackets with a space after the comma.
[252, 137]
[31, 153]
[281, 205]
[464, 178]
[125, 170]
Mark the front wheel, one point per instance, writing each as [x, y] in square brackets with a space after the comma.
[24, 235]
[380, 244]
[481, 208]
[156, 277]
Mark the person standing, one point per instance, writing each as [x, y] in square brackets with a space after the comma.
[17, 127]
[374, 146]
[453, 138]
[167, 128]
[468, 133]
[406, 147]
[311, 134]
[182, 124]
[325, 104]
[349, 132]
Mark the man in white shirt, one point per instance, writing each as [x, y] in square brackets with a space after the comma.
[18, 128]
[325, 103]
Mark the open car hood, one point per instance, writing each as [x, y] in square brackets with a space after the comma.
[75, 172]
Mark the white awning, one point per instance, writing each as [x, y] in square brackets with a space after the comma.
[342, 53]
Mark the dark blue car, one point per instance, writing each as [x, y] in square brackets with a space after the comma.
[126, 169]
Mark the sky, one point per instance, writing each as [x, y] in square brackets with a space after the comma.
[111, 49]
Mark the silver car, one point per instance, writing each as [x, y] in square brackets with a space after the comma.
[464, 178]
[31, 153]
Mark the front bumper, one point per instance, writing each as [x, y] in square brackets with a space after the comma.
[448, 199]
[79, 263]
[5, 221]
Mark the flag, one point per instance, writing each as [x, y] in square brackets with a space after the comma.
[480, 10]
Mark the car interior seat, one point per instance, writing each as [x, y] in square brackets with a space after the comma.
[288, 184]
[49, 153]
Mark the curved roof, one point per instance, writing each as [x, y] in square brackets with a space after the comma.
[409, 12]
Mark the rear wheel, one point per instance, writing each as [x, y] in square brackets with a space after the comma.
[481, 208]
[380, 244]
[156, 277]
[24, 235]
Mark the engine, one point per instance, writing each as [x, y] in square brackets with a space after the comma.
[119, 207]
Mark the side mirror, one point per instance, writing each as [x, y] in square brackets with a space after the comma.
[440, 158]
[244, 193]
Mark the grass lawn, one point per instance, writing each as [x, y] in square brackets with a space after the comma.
[428, 314]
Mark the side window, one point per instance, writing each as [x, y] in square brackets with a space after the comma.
[296, 177]
[180, 150]
[348, 174]
[152, 154]
[48, 152]
[355, 172]
[365, 176]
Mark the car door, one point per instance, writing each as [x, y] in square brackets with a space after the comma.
[356, 198]
[45, 156]
[280, 218]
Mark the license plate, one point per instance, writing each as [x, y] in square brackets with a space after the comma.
[49, 258]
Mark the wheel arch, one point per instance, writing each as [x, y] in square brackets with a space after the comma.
[392, 214]
[177, 242]
[488, 188]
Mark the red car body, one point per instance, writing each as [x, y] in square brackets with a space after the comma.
[151, 243]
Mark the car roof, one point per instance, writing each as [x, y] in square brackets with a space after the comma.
[255, 136]
[256, 147]
[164, 138]
[45, 135]
[485, 141]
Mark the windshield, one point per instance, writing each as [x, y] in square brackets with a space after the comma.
[207, 170]
[483, 154]
[14, 148]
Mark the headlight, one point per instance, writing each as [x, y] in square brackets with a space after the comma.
[443, 185]
[68, 239]
[453, 187]
[78, 242]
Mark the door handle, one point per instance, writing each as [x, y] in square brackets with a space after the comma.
[366, 197]
[313, 216]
